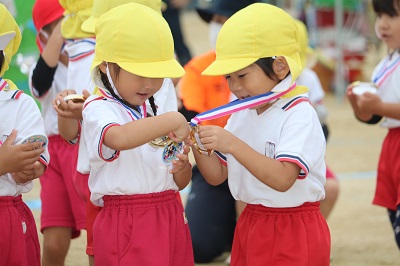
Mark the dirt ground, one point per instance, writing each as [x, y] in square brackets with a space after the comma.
[361, 233]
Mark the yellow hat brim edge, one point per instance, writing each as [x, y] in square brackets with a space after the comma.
[161, 69]
[5, 39]
[227, 66]
[89, 24]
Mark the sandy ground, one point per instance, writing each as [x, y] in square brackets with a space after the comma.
[361, 233]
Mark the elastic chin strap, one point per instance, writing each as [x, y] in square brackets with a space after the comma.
[111, 81]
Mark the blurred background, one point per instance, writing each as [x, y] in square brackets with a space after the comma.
[341, 33]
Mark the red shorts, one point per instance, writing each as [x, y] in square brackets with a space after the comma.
[281, 236]
[19, 242]
[61, 204]
[147, 229]
[330, 174]
[387, 193]
[91, 214]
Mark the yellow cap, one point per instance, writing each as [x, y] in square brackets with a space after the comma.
[139, 40]
[76, 12]
[303, 35]
[102, 6]
[256, 31]
[10, 37]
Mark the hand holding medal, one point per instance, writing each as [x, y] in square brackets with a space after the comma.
[194, 137]
[231, 108]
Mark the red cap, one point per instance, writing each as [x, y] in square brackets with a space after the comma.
[45, 12]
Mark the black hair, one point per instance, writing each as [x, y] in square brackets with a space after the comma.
[107, 84]
[266, 65]
[1, 60]
[389, 7]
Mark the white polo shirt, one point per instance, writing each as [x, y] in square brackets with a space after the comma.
[80, 53]
[136, 171]
[59, 84]
[389, 90]
[309, 78]
[165, 100]
[287, 131]
[19, 111]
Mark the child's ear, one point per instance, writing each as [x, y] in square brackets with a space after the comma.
[43, 39]
[281, 67]
[103, 67]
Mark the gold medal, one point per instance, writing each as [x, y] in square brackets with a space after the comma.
[194, 136]
[171, 148]
[160, 142]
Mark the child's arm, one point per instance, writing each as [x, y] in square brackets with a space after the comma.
[275, 174]
[19, 157]
[372, 103]
[139, 132]
[69, 114]
[182, 169]
[43, 73]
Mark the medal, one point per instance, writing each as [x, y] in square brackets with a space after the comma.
[171, 148]
[194, 136]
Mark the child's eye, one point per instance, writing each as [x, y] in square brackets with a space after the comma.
[242, 76]
[227, 77]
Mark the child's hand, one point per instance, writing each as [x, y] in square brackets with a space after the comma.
[182, 162]
[181, 134]
[29, 175]
[69, 109]
[350, 95]
[18, 157]
[369, 102]
[216, 138]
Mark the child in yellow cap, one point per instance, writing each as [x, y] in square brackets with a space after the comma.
[20, 163]
[165, 99]
[272, 148]
[137, 159]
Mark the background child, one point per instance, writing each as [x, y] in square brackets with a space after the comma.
[370, 108]
[211, 210]
[272, 151]
[141, 190]
[316, 95]
[63, 210]
[19, 243]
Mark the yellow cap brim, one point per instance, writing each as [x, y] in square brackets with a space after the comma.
[89, 24]
[162, 69]
[5, 39]
[227, 66]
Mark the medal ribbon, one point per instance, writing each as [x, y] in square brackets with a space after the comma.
[238, 105]
[385, 71]
[3, 84]
[132, 113]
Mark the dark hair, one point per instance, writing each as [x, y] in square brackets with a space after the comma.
[266, 65]
[107, 84]
[389, 7]
[1, 60]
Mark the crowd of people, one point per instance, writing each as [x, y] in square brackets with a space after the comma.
[111, 148]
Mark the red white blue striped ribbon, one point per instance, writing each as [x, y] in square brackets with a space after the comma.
[239, 105]
[132, 113]
[385, 71]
